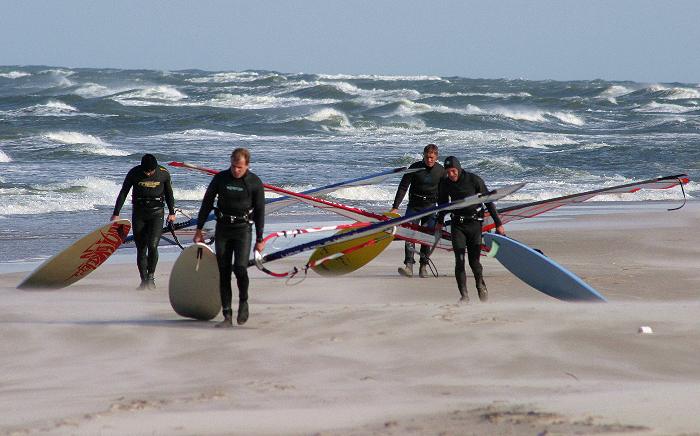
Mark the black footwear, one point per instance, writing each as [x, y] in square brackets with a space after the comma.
[242, 313]
[464, 299]
[150, 282]
[423, 271]
[407, 271]
[228, 319]
[481, 289]
[143, 286]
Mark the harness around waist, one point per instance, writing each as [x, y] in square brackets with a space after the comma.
[459, 219]
[419, 198]
[232, 219]
[153, 202]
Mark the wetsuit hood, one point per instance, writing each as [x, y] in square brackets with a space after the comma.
[452, 162]
[149, 162]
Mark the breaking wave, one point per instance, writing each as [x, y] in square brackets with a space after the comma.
[52, 108]
[15, 74]
[330, 117]
[150, 96]
[85, 143]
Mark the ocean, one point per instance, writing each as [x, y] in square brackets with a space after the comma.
[69, 135]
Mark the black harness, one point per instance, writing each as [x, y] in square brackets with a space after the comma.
[232, 219]
[476, 216]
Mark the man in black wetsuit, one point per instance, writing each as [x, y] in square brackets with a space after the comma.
[423, 193]
[240, 203]
[151, 188]
[466, 224]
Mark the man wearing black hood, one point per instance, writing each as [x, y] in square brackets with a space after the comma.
[466, 223]
[152, 188]
[240, 203]
[422, 195]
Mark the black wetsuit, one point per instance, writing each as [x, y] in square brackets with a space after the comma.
[423, 193]
[466, 224]
[147, 199]
[240, 203]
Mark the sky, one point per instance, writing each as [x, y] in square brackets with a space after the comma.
[639, 40]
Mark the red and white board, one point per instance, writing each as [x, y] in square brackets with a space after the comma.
[80, 259]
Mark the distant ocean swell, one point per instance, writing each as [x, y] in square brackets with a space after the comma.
[68, 136]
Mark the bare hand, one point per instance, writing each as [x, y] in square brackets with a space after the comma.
[501, 230]
[198, 236]
[114, 218]
[394, 211]
[171, 218]
[260, 246]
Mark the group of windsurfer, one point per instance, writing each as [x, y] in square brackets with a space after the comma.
[240, 203]
[437, 184]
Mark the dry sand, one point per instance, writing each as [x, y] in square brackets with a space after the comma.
[374, 353]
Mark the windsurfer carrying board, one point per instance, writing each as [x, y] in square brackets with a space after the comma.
[422, 194]
[152, 189]
[466, 223]
[240, 203]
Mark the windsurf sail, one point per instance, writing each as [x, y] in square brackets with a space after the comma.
[274, 204]
[383, 225]
[407, 231]
[533, 209]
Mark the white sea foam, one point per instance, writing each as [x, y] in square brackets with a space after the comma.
[60, 76]
[376, 95]
[92, 90]
[75, 195]
[536, 115]
[60, 71]
[52, 108]
[497, 162]
[544, 190]
[200, 134]
[15, 74]
[330, 116]
[373, 192]
[194, 194]
[85, 143]
[367, 97]
[594, 145]
[614, 91]
[481, 94]
[410, 108]
[670, 108]
[261, 101]
[151, 96]
[681, 93]
[226, 77]
[293, 188]
[378, 77]
[655, 88]
[567, 118]
[4, 158]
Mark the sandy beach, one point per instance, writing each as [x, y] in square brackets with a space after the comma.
[375, 353]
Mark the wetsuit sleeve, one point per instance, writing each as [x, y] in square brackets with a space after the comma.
[401, 191]
[126, 187]
[490, 206]
[207, 203]
[169, 198]
[443, 197]
[259, 211]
